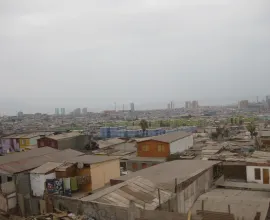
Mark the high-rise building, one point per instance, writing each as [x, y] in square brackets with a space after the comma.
[187, 104]
[243, 104]
[267, 101]
[84, 111]
[169, 106]
[195, 104]
[63, 111]
[56, 112]
[132, 107]
[20, 114]
[77, 112]
[172, 105]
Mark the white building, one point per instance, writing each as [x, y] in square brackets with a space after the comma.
[39, 176]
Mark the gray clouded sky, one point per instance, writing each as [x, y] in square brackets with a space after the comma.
[96, 52]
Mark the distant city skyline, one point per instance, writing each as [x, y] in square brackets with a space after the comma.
[30, 108]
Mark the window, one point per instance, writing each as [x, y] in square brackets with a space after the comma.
[145, 148]
[257, 173]
[22, 142]
[9, 179]
[134, 166]
[0, 180]
[144, 165]
[161, 148]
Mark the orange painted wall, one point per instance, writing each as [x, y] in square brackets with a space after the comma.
[153, 149]
[83, 172]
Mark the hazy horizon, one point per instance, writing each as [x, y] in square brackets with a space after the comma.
[94, 53]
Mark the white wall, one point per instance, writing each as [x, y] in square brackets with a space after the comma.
[12, 201]
[37, 182]
[181, 144]
[251, 174]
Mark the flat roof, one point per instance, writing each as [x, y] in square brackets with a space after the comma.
[91, 159]
[243, 203]
[45, 168]
[143, 192]
[27, 154]
[148, 159]
[64, 135]
[33, 162]
[164, 174]
[171, 137]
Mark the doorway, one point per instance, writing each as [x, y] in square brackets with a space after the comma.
[265, 176]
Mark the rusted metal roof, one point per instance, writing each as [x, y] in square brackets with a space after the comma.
[31, 163]
[167, 138]
[143, 192]
[27, 154]
[64, 135]
[91, 159]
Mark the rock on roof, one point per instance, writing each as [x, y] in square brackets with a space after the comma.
[140, 190]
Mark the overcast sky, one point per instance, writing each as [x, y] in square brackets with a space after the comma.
[93, 53]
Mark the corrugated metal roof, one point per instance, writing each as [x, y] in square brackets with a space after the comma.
[65, 135]
[167, 138]
[243, 204]
[143, 192]
[31, 163]
[164, 174]
[172, 137]
[148, 159]
[27, 154]
[45, 168]
[110, 142]
[91, 159]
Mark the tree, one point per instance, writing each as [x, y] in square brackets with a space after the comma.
[252, 130]
[232, 121]
[144, 125]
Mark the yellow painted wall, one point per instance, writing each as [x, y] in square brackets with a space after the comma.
[24, 142]
[101, 173]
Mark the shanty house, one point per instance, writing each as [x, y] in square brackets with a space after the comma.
[10, 143]
[63, 141]
[39, 176]
[146, 194]
[164, 145]
[100, 168]
[15, 168]
[31, 139]
[190, 178]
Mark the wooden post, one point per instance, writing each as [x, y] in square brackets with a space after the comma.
[229, 209]
[175, 185]
[202, 205]
[159, 202]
